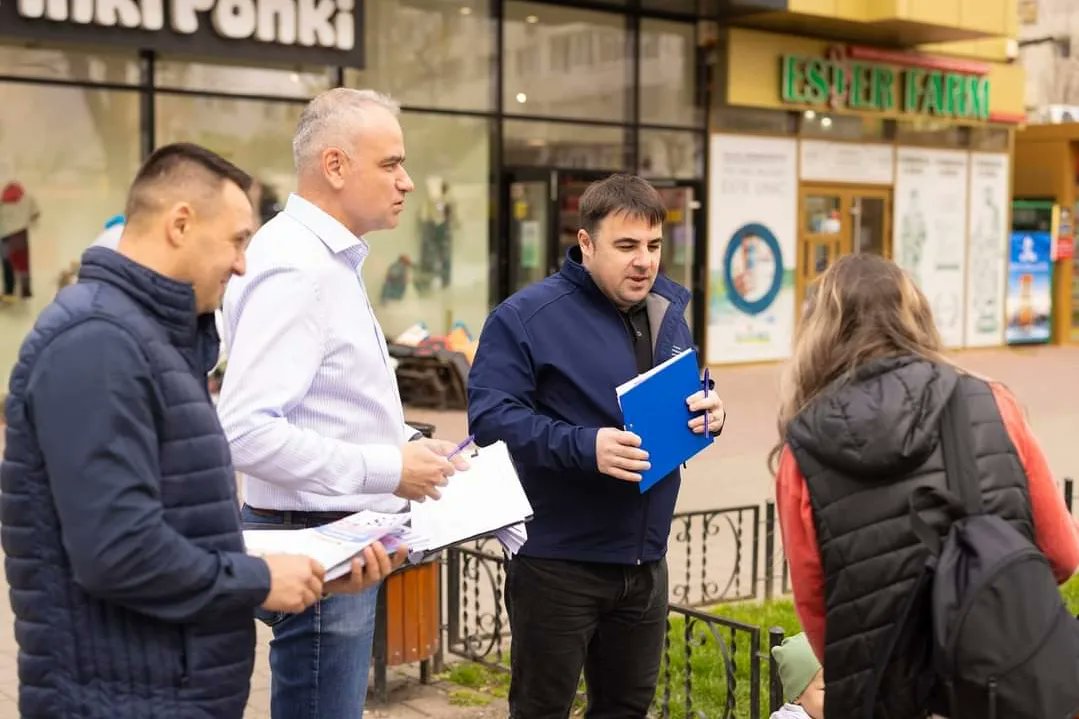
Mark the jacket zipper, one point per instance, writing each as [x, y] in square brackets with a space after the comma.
[629, 341]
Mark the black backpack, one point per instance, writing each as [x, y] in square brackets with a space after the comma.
[1003, 645]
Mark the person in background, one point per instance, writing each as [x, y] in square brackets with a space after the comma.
[802, 678]
[132, 593]
[859, 417]
[309, 401]
[19, 212]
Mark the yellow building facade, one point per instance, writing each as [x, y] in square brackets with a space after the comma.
[842, 126]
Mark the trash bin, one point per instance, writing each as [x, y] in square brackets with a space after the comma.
[408, 616]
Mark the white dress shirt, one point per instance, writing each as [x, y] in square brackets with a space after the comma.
[309, 401]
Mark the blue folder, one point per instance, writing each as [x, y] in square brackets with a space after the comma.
[654, 407]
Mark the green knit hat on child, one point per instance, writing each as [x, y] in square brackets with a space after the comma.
[797, 665]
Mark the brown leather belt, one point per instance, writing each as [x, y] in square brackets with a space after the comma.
[294, 516]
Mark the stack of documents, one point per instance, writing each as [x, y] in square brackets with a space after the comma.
[654, 408]
[484, 500]
[332, 545]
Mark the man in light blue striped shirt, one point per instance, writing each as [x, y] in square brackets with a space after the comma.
[309, 401]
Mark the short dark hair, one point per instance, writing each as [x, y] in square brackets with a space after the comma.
[620, 194]
[177, 163]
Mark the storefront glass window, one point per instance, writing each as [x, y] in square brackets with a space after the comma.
[845, 127]
[989, 139]
[67, 156]
[565, 145]
[429, 53]
[565, 62]
[684, 7]
[671, 154]
[747, 119]
[434, 267]
[64, 64]
[296, 81]
[669, 74]
[931, 133]
[254, 135]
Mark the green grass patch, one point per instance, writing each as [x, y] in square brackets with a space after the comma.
[710, 682]
[468, 698]
[467, 674]
[720, 661]
[479, 680]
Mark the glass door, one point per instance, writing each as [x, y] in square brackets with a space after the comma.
[822, 235]
[872, 224]
[680, 244]
[837, 221]
[530, 208]
[571, 185]
[678, 234]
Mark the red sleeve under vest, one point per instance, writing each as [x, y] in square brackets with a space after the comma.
[1056, 531]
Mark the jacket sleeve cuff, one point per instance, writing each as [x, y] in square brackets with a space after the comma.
[249, 576]
[586, 448]
[382, 466]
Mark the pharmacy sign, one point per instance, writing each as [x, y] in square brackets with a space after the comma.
[893, 83]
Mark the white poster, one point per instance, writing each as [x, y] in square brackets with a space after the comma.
[988, 253]
[931, 229]
[752, 237]
[824, 161]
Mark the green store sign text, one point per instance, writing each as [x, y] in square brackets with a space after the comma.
[884, 88]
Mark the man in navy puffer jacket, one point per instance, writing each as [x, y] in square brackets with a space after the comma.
[132, 594]
[589, 587]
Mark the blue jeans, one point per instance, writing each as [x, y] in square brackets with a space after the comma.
[319, 660]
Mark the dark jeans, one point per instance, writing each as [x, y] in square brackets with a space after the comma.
[608, 619]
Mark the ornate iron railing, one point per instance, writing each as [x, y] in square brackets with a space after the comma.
[713, 556]
[477, 625]
[689, 677]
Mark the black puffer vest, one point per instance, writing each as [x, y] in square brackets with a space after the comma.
[864, 446]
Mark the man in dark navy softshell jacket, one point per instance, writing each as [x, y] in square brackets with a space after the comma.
[132, 594]
[589, 588]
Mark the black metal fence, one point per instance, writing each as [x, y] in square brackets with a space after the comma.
[714, 556]
[477, 625]
[690, 677]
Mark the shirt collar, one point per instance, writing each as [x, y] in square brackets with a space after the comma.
[337, 238]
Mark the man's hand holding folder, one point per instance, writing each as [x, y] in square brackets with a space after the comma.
[655, 405]
[707, 401]
[372, 566]
[619, 454]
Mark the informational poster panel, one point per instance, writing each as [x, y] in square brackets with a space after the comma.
[752, 220]
[865, 164]
[987, 253]
[1030, 295]
[931, 231]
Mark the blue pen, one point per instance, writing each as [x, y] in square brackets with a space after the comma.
[460, 448]
[707, 386]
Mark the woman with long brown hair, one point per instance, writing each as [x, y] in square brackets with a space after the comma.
[858, 423]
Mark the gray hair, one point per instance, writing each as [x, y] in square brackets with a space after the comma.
[329, 117]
